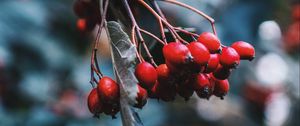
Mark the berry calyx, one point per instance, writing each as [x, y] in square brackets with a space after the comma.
[94, 103]
[108, 90]
[200, 54]
[177, 53]
[146, 75]
[229, 58]
[141, 97]
[211, 42]
[111, 109]
[221, 88]
[212, 63]
[244, 49]
[202, 86]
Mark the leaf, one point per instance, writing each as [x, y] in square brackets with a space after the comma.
[123, 56]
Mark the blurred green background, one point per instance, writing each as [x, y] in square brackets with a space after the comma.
[44, 65]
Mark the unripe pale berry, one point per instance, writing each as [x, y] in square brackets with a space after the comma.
[211, 42]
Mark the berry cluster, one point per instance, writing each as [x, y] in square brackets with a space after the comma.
[202, 66]
[105, 98]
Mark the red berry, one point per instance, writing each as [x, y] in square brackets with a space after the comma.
[141, 97]
[229, 57]
[111, 109]
[153, 92]
[203, 86]
[212, 63]
[200, 54]
[244, 49]
[146, 75]
[81, 24]
[163, 73]
[108, 90]
[94, 103]
[221, 88]
[222, 73]
[211, 42]
[177, 53]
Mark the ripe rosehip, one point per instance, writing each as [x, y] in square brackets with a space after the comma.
[146, 75]
[244, 49]
[94, 103]
[141, 97]
[212, 63]
[200, 53]
[108, 90]
[177, 53]
[211, 42]
[229, 57]
[111, 109]
[81, 24]
[221, 88]
[203, 86]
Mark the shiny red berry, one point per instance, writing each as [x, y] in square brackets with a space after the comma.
[212, 63]
[222, 73]
[163, 73]
[221, 88]
[244, 49]
[200, 54]
[211, 42]
[177, 53]
[94, 103]
[108, 90]
[146, 75]
[203, 86]
[229, 57]
[141, 97]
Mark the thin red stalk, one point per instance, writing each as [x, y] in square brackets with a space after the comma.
[153, 36]
[163, 20]
[137, 28]
[211, 20]
[186, 32]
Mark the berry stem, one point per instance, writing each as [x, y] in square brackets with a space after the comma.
[138, 31]
[210, 19]
[171, 28]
